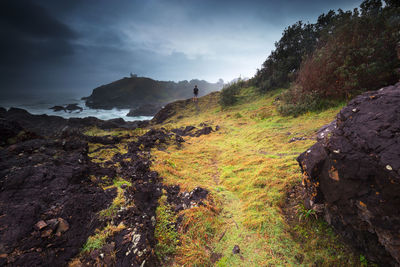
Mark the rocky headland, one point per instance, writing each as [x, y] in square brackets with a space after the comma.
[139, 93]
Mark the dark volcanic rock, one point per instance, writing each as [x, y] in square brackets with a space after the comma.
[73, 107]
[191, 131]
[69, 107]
[3, 112]
[352, 175]
[48, 204]
[185, 200]
[8, 129]
[183, 131]
[11, 132]
[45, 125]
[169, 110]
[144, 110]
[58, 108]
[205, 130]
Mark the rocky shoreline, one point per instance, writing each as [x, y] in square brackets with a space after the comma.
[53, 191]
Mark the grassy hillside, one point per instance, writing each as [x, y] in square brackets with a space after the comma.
[249, 166]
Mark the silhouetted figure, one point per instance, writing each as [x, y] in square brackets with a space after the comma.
[195, 93]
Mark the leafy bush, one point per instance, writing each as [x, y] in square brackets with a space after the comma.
[339, 56]
[360, 55]
[294, 102]
[297, 41]
[230, 92]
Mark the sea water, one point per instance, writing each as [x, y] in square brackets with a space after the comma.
[41, 106]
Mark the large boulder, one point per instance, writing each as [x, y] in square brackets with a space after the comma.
[352, 174]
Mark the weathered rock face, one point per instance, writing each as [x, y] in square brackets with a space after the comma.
[48, 204]
[144, 110]
[169, 110]
[352, 174]
[193, 131]
[68, 107]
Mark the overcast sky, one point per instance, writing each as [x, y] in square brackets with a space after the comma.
[76, 45]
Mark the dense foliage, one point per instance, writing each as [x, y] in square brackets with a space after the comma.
[339, 56]
[360, 55]
[230, 91]
[297, 41]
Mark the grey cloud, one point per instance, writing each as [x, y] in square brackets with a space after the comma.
[76, 45]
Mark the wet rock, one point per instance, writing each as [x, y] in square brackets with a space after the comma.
[52, 223]
[191, 131]
[144, 110]
[3, 112]
[206, 130]
[8, 129]
[73, 107]
[215, 257]
[58, 108]
[236, 249]
[63, 226]
[47, 201]
[65, 108]
[183, 131]
[352, 174]
[294, 139]
[49, 126]
[40, 225]
[185, 200]
[323, 132]
[169, 110]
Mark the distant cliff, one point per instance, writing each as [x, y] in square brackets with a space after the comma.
[134, 91]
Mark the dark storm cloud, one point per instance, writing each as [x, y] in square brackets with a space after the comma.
[77, 45]
[30, 33]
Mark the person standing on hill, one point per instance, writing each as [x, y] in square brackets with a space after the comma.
[195, 93]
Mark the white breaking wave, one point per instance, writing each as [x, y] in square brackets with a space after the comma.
[40, 108]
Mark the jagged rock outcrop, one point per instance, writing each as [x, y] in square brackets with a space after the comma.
[54, 125]
[352, 174]
[67, 108]
[51, 194]
[193, 131]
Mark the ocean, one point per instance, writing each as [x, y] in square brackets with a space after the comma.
[42, 106]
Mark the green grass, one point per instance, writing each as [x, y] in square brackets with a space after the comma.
[165, 232]
[98, 240]
[248, 166]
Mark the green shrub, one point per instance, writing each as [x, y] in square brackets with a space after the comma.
[359, 56]
[294, 102]
[230, 92]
